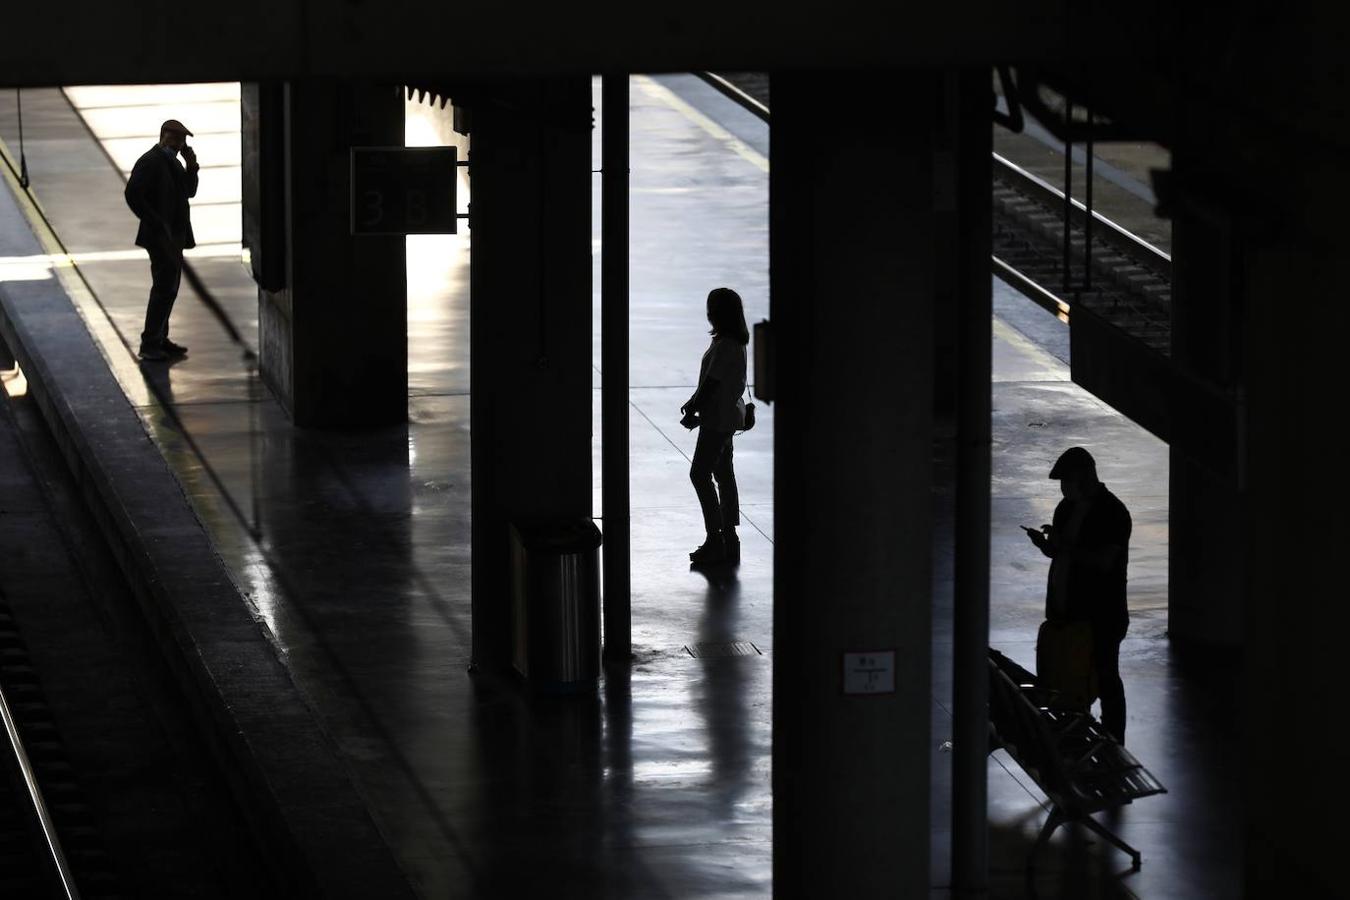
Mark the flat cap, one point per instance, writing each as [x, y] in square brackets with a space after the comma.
[1073, 461]
[175, 125]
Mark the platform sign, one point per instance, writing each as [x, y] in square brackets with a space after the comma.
[403, 190]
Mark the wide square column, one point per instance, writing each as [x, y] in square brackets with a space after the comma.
[332, 318]
[530, 325]
[855, 195]
[1294, 537]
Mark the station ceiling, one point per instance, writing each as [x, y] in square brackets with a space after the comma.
[93, 41]
[1221, 79]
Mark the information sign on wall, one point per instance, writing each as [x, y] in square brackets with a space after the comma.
[403, 190]
[869, 672]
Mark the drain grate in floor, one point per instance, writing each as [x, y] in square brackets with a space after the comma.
[722, 649]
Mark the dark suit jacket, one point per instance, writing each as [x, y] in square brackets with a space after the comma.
[1095, 595]
[158, 193]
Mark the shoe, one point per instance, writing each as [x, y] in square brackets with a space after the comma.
[733, 549]
[173, 349]
[152, 353]
[712, 551]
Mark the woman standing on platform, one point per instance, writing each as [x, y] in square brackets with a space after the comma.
[718, 412]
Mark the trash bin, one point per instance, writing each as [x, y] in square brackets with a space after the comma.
[555, 603]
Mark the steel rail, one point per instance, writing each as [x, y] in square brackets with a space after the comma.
[735, 94]
[58, 856]
[1126, 241]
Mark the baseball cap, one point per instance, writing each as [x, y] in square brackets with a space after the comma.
[175, 125]
[1073, 460]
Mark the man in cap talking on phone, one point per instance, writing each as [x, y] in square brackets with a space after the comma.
[158, 192]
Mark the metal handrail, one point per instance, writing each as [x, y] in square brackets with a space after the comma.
[58, 855]
[1036, 293]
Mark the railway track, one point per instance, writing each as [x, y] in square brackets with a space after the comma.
[1130, 287]
[49, 847]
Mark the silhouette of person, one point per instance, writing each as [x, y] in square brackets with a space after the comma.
[1088, 545]
[718, 412]
[158, 192]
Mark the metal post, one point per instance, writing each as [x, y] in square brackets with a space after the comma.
[1087, 223]
[23, 157]
[614, 364]
[1068, 192]
[970, 632]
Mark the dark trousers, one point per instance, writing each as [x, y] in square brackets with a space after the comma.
[166, 270]
[1106, 658]
[712, 460]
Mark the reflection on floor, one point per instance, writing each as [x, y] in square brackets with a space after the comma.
[354, 548]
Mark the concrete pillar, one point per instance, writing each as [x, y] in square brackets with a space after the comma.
[969, 141]
[1205, 518]
[852, 293]
[615, 502]
[1297, 614]
[1204, 590]
[334, 339]
[1259, 291]
[530, 325]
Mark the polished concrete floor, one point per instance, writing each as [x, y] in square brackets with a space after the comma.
[353, 547]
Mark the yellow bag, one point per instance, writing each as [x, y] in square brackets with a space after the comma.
[1064, 663]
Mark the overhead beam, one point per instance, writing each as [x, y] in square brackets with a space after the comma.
[398, 40]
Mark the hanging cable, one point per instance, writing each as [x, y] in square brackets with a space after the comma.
[23, 160]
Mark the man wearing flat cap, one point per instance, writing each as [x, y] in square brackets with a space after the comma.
[158, 193]
[1089, 548]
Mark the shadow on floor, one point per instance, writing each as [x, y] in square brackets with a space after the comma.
[1076, 865]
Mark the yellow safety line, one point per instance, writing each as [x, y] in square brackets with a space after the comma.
[664, 95]
[51, 247]
[1005, 332]
[63, 266]
[223, 250]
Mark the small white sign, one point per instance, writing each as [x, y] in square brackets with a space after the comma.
[872, 672]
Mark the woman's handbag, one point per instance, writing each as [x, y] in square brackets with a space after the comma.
[747, 411]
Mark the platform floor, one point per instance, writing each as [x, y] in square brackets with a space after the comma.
[354, 548]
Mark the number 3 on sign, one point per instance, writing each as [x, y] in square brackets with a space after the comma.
[417, 208]
[374, 208]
